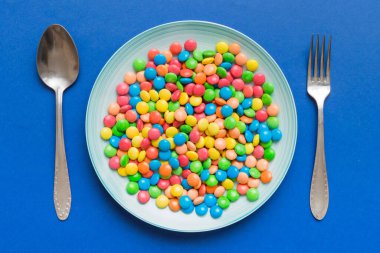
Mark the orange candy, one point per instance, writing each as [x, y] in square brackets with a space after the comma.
[218, 59]
[162, 70]
[211, 189]
[200, 78]
[130, 78]
[143, 167]
[174, 205]
[193, 179]
[266, 176]
[234, 48]
[168, 55]
[165, 170]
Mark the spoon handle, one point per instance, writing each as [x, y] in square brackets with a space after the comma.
[62, 192]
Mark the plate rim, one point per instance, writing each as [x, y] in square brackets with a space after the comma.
[271, 60]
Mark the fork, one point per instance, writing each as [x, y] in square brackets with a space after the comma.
[318, 87]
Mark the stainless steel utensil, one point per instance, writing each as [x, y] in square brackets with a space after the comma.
[58, 68]
[318, 87]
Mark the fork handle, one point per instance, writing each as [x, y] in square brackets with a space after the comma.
[319, 191]
[62, 192]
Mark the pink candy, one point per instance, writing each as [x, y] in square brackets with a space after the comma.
[143, 197]
[154, 134]
[122, 89]
[109, 121]
[163, 184]
[258, 152]
[114, 162]
[259, 79]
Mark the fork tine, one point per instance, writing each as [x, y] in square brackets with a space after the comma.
[316, 58]
[321, 69]
[328, 61]
[310, 57]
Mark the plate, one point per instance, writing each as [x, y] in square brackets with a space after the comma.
[103, 93]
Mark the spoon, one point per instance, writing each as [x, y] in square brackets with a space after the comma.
[58, 68]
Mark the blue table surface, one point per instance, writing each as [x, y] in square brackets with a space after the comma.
[97, 223]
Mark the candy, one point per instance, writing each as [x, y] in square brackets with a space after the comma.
[193, 129]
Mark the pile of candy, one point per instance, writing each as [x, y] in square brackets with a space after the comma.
[193, 129]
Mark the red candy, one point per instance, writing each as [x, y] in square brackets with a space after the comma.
[248, 91]
[236, 71]
[163, 184]
[152, 53]
[131, 116]
[122, 100]
[213, 79]
[200, 108]
[155, 117]
[143, 197]
[175, 48]
[150, 64]
[109, 121]
[202, 154]
[147, 86]
[258, 79]
[183, 160]
[190, 45]
[261, 115]
[258, 152]
[125, 144]
[199, 90]
[114, 162]
[175, 180]
[145, 143]
[122, 89]
[154, 134]
[194, 136]
[189, 89]
[175, 95]
[186, 173]
[257, 91]
[152, 153]
[238, 84]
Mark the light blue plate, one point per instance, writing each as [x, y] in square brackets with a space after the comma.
[103, 93]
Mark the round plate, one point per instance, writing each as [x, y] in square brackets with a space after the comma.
[103, 93]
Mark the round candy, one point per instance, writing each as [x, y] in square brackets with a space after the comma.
[201, 209]
[252, 194]
[185, 202]
[216, 212]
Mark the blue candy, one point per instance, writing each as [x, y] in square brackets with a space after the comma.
[233, 172]
[164, 145]
[201, 209]
[154, 165]
[210, 109]
[205, 174]
[185, 184]
[245, 170]
[226, 110]
[210, 200]
[240, 110]
[133, 101]
[262, 127]
[144, 184]
[154, 179]
[276, 134]
[247, 103]
[164, 155]
[248, 136]
[185, 202]
[241, 158]
[114, 141]
[150, 73]
[188, 210]
[134, 90]
[183, 56]
[159, 59]
[159, 127]
[159, 83]
[265, 136]
[179, 139]
[254, 125]
[221, 175]
[225, 93]
[226, 65]
[216, 212]
[174, 163]
[189, 109]
[185, 80]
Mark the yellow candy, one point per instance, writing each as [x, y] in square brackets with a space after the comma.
[153, 95]
[133, 153]
[142, 107]
[214, 154]
[200, 143]
[171, 131]
[106, 133]
[191, 120]
[230, 143]
[136, 141]
[131, 168]
[176, 190]
[183, 98]
[192, 155]
[122, 172]
[209, 142]
[228, 184]
[162, 201]
[195, 101]
[131, 132]
[141, 156]
[256, 140]
[172, 144]
[161, 105]
[249, 148]
[144, 132]
[235, 116]
[169, 117]
[144, 95]
[165, 94]
[257, 104]
[222, 47]
[252, 65]
[208, 60]
[213, 129]
[202, 124]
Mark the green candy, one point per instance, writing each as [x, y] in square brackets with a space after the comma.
[197, 54]
[152, 106]
[209, 95]
[209, 86]
[122, 125]
[135, 178]
[240, 96]
[191, 63]
[110, 151]
[272, 122]
[173, 106]
[247, 76]
[224, 163]
[240, 149]
[241, 126]
[179, 86]
[255, 173]
[269, 154]
[174, 154]
[207, 164]
[228, 57]
[232, 88]
[132, 124]
[132, 188]
[116, 132]
[177, 171]
[185, 129]
[249, 112]
[124, 160]
[209, 53]
[170, 77]
[217, 93]
[223, 202]
[221, 72]
[253, 194]
[154, 191]
[212, 181]
[266, 144]
[268, 88]
[230, 122]
[196, 167]
[232, 195]
[139, 64]
[267, 99]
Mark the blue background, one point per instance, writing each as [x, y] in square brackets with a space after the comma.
[96, 223]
